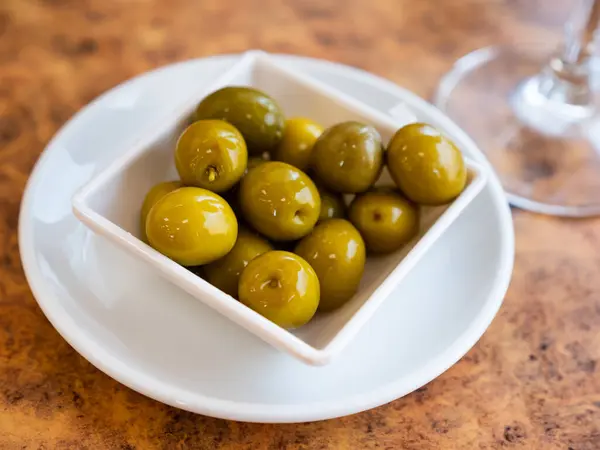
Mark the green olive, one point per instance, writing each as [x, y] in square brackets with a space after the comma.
[256, 115]
[282, 287]
[336, 252]
[427, 166]
[192, 226]
[279, 201]
[157, 192]
[255, 161]
[298, 139]
[233, 194]
[332, 205]
[225, 272]
[348, 157]
[211, 154]
[385, 219]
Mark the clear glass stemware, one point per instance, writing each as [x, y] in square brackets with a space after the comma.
[536, 116]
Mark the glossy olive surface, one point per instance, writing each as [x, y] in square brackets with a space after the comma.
[282, 287]
[298, 140]
[336, 251]
[225, 272]
[255, 114]
[332, 205]
[427, 167]
[280, 201]
[232, 195]
[386, 220]
[348, 157]
[192, 226]
[211, 154]
[157, 192]
[255, 161]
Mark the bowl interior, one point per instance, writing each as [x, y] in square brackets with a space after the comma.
[118, 197]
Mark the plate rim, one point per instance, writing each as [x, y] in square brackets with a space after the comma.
[262, 412]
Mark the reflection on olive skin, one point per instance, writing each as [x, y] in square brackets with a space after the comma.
[336, 252]
[348, 157]
[225, 272]
[211, 154]
[282, 287]
[385, 219]
[256, 115]
[427, 167]
[299, 137]
[192, 226]
[332, 205]
[157, 192]
[279, 201]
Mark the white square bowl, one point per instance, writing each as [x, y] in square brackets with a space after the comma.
[110, 206]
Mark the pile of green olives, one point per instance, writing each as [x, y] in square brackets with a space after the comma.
[282, 214]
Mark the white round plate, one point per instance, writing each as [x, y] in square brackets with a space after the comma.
[151, 336]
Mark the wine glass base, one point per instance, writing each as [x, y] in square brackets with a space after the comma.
[547, 156]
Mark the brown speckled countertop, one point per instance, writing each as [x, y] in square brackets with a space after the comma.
[532, 382]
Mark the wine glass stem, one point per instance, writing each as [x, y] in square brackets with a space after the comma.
[580, 32]
[567, 78]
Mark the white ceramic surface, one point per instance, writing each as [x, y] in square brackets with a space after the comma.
[158, 340]
[110, 205]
